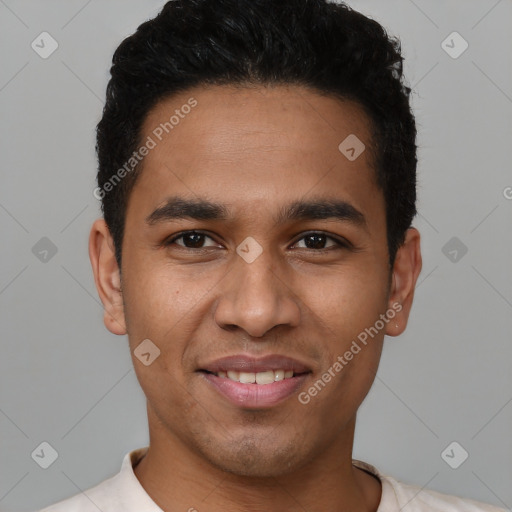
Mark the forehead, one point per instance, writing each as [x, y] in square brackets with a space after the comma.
[244, 119]
[256, 147]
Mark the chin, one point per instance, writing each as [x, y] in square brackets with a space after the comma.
[256, 458]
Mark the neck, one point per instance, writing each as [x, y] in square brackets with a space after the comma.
[177, 478]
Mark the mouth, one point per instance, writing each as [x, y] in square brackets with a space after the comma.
[261, 378]
[255, 383]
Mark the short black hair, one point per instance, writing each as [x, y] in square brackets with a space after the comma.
[324, 46]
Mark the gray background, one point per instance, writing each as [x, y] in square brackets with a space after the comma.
[67, 381]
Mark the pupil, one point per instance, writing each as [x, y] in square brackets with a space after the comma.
[197, 242]
[319, 241]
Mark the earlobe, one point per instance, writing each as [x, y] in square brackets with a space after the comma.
[406, 269]
[107, 276]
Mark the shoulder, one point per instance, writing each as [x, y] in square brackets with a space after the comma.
[87, 501]
[413, 498]
[121, 492]
[399, 496]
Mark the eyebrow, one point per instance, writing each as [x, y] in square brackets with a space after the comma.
[201, 209]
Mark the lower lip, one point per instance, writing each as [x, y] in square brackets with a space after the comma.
[255, 395]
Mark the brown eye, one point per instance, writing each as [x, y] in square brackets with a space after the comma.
[317, 241]
[191, 240]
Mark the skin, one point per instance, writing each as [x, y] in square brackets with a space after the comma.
[255, 150]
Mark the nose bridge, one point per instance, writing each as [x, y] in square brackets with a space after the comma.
[257, 276]
[255, 298]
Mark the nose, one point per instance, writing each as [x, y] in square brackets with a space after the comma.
[256, 297]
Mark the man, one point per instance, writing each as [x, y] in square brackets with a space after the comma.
[257, 172]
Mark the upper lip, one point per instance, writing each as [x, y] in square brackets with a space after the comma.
[244, 363]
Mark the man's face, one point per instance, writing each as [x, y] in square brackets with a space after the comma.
[213, 295]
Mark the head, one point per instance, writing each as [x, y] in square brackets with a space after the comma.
[243, 108]
[322, 46]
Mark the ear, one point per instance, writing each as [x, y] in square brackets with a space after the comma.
[406, 269]
[107, 276]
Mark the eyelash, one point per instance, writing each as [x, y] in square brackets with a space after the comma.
[340, 244]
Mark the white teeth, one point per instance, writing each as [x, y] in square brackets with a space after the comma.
[279, 374]
[259, 378]
[247, 378]
[265, 377]
[233, 375]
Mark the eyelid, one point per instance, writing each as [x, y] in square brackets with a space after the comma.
[173, 238]
[340, 242]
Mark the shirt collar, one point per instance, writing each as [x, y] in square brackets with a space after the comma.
[138, 499]
[134, 496]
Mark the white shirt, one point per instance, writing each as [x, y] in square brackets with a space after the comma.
[124, 493]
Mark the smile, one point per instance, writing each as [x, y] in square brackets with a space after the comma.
[252, 383]
[266, 377]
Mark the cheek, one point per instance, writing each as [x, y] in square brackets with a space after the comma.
[157, 299]
[345, 309]
[347, 301]
[165, 307]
